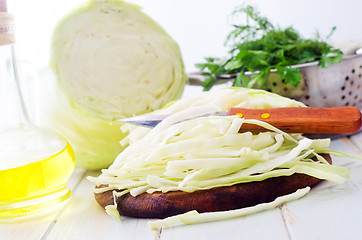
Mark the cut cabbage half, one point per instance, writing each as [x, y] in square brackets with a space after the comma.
[111, 61]
[115, 61]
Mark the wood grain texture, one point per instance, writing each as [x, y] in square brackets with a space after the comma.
[161, 205]
[304, 120]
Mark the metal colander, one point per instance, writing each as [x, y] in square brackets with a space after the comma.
[336, 86]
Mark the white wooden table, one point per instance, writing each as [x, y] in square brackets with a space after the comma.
[329, 211]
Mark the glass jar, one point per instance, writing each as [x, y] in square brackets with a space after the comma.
[35, 163]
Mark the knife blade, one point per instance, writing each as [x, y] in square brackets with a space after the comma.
[339, 120]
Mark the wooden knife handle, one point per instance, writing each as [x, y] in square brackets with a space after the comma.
[303, 119]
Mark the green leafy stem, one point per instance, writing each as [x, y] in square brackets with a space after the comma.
[259, 47]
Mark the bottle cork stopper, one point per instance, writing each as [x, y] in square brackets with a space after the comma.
[3, 6]
[7, 35]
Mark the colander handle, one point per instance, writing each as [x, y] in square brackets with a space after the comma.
[303, 120]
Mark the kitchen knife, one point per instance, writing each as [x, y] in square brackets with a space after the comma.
[338, 120]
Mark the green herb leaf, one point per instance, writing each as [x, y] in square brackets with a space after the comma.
[290, 75]
[241, 80]
[208, 83]
[257, 46]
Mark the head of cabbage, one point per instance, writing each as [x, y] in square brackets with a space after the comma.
[111, 61]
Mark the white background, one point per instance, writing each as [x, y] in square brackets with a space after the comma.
[199, 26]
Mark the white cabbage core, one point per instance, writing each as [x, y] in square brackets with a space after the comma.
[115, 61]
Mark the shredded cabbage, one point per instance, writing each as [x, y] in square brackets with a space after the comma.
[201, 154]
[190, 154]
[193, 217]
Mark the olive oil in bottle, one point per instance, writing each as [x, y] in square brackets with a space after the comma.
[35, 163]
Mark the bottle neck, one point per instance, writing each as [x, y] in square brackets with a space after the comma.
[12, 107]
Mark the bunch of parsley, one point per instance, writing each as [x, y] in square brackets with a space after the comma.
[259, 47]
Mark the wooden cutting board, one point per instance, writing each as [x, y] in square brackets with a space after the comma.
[162, 205]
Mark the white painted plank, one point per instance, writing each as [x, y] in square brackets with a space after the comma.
[330, 211]
[34, 229]
[75, 179]
[263, 225]
[85, 219]
[357, 140]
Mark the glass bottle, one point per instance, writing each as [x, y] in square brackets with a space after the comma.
[35, 163]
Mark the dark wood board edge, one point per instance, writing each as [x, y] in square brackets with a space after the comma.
[162, 205]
